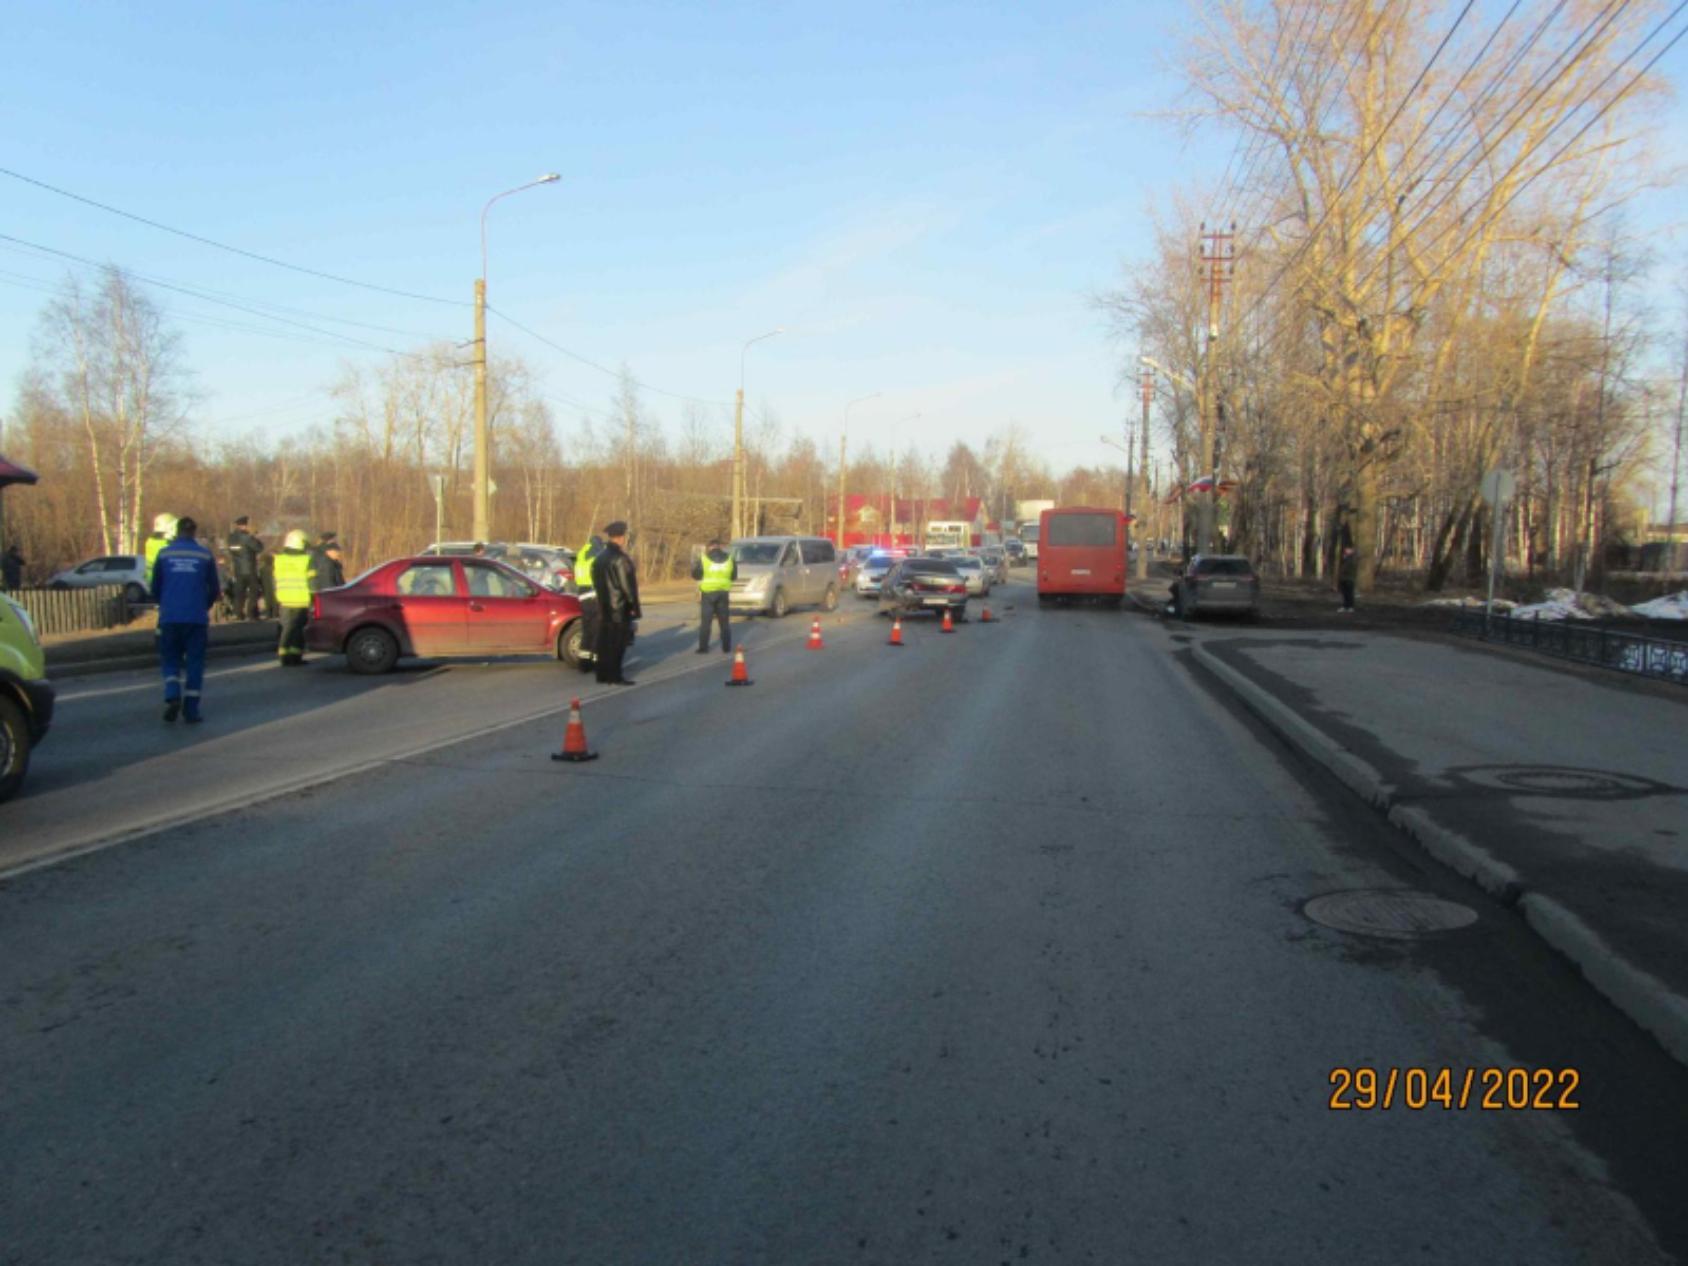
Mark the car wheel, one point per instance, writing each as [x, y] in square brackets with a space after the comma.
[778, 606]
[371, 651]
[14, 747]
[134, 594]
[570, 642]
[830, 602]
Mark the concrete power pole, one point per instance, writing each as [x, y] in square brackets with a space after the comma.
[483, 499]
[1218, 262]
[841, 441]
[1147, 378]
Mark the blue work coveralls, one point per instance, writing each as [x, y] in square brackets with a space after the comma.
[185, 587]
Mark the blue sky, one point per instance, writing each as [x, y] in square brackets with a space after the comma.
[923, 194]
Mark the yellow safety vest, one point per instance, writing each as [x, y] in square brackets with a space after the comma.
[293, 572]
[717, 576]
[154, 543]
[583, 565]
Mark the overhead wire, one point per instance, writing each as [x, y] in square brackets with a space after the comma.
[224, 246]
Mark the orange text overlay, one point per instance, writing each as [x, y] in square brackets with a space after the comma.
[1486, 1089]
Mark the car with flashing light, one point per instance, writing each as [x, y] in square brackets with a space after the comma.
[871, 574]
[924, 584]
[26, 696]
[440, 607]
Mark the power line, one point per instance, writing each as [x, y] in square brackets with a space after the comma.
[223, 246]
[602, 369]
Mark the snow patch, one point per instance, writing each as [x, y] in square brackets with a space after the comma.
[1673, 606]
[1469, 604]
[1567, 604]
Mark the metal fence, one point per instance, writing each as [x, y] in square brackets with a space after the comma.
[74, 610]
[1618, 649]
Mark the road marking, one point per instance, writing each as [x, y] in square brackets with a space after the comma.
[160, 822]
[154, 685]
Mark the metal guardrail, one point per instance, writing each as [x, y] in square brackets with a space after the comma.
[74, 610]
[1617, 649]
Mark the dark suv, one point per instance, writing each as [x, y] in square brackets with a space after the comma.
[1217, 582]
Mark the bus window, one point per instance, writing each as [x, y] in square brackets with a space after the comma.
[1083, 529]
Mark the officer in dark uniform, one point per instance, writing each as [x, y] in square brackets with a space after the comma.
[330, 570]
[616, 582]
[244, 549]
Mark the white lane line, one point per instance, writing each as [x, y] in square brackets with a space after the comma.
[99, 841]
[156, 685]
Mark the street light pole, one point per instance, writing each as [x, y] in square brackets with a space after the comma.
[1207, 453]
[482, 494]
[738, 436]
[843, 435]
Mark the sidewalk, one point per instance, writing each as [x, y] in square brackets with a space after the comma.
[1564, 795]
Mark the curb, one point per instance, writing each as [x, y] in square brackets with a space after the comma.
[119, 663]
[1640, 995]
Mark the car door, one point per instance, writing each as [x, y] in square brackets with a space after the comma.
[503, 613]
[91, 573]
[431, 607]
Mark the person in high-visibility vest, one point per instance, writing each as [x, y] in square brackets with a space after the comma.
[583, 560]
[163, 532]
[714, 572]
[295, 581]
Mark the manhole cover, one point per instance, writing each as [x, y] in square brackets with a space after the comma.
[1563, 782]
[1394, 912]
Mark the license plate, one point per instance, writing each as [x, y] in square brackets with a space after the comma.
[937, 602]
[1081, 571]
[1224, 584]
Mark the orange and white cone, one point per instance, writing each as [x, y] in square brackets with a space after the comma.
[896, 631]
[949, 624]
[985, 616]
[815, 642]
[741, 675]
[574, 738]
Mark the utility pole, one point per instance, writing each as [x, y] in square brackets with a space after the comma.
[1147, 383]
[1218, 261]
[841, 440]
[1671, 561]
[738, 436]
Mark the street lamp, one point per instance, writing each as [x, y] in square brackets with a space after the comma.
[843, 434]
[483, 513]
[738, 435]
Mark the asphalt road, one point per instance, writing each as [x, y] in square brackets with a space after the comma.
[988, 949]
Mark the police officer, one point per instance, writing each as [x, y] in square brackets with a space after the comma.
[244, 550]
[295, 581]
[616, 582]
[330, 571]
[163, 532]
[185, 587]
[714, 572]
[583, 561]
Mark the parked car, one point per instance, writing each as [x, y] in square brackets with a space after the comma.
[871, 574]
[996, 559]
[435, 607]
[1217, 582]
[776, 573]
[1015, 548]
[972, 569]
[127, 570]
[26, 696]
[924, 584]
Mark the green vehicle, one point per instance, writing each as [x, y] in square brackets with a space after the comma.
[26, 696]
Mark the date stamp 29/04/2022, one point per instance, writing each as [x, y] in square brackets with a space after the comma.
[1365, 1089]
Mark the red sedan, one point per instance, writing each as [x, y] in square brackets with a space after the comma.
[434, 607]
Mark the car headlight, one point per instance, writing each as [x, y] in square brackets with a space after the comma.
[756, 584]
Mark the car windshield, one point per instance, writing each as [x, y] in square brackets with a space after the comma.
[1082, 529]
[932, 567]
[1223, 567]
[880, 560]
[970, 564]
[764, 552]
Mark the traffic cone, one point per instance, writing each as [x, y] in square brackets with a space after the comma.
[574, 738]
[815, 643]
[897, 631]
[741, 675]
[985, 616]
[949, 625]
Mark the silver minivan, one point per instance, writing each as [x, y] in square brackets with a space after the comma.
[776, 573]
